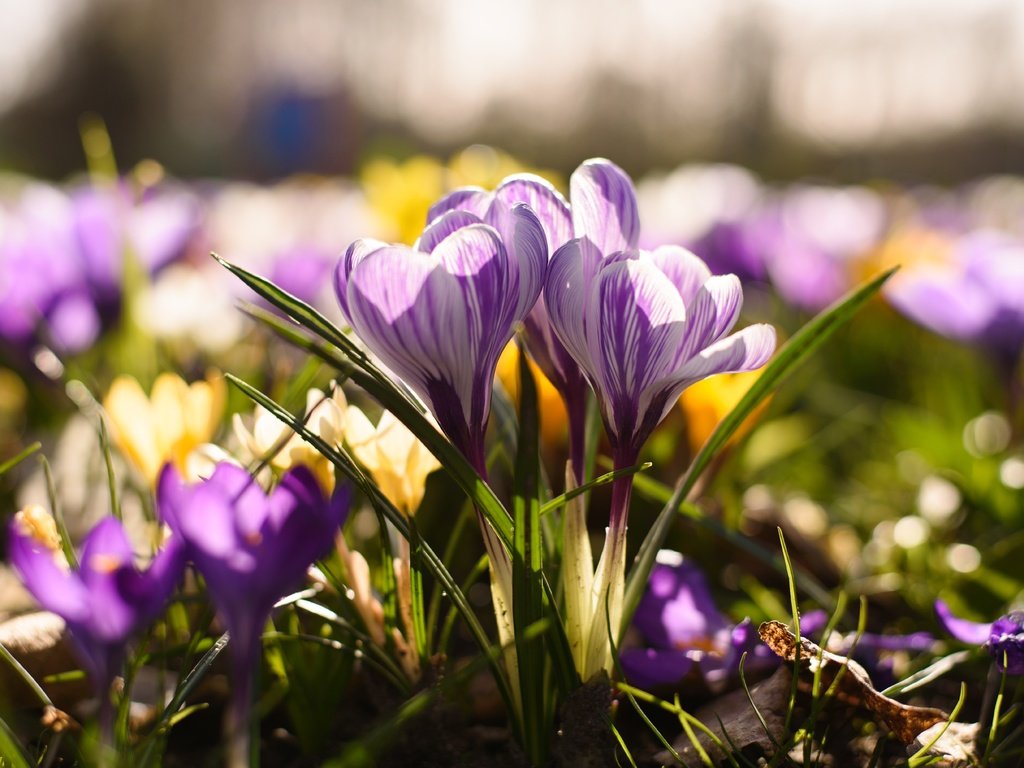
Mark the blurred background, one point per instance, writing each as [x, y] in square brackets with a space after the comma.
[921, 90]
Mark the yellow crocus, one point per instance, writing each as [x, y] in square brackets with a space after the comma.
[397, 461]
[276, 443]
[167, 425]
[709, 401]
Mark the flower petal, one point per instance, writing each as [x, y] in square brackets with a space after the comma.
[964, 630]
[354, 254]
[604, 209]
[687, 271]
[677, 610]
[743, 351]
[544, 200]
[441, 227]
[712, 313]
[649, 668]
[565, 298]
[54, 587]
[639, 326]
[472, 199]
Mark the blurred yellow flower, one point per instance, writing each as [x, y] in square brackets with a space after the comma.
[276, 443]
[397, 461]
[400, 192]
[909, 248]
[166, 426]
[709, 401]
[553, 417]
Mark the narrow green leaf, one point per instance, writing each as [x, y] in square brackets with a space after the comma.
[527, 592]
[14, 461]
[384, 390]
[793, 352]
[428, 558]
[11, 752]
[562, 499]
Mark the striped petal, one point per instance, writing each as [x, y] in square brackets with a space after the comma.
[711, 314]
[355, 253]
[472, 199]
[440, 320]
[604, 209]
[745, 350]
[441, 227]
[687, 271]
[639, 326]
[547, 202]
[565, 298]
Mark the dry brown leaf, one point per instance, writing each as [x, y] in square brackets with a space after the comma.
[850, 683]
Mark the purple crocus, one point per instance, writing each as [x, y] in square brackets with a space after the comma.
[553, 212]
[685, 633]
[105, 601]
[642, 325]
[250, 548]
[1004, 637]
[976, 295]
[440, 313]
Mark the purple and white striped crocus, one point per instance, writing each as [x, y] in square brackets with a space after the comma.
[440, 313]
[642, 325]
[553, 212]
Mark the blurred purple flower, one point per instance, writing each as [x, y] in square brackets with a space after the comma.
[643, 325]
[62, 259]
[977, 296]
[440, 313]
[1004, 637]
[302, 271]
[103, 602]
[250, 548]
[686, 633]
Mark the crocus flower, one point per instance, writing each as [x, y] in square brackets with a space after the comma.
[642, 325]
[1004, 637]
[439, 314]
[104, 601]
[551, 355]
[685, 633]
[166, 426]
[687, 637]
[975, 294]
[251, 548]
[397, 461]
[276, 443]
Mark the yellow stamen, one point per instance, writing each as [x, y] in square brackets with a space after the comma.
[36, 522]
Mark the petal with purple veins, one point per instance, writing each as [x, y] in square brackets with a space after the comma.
[604, 208]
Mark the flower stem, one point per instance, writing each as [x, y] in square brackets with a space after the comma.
[610, 578]
[240, 706]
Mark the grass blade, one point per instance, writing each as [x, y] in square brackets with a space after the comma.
[428, 558]
[793, 352]
[380, 386]
[14, 461]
